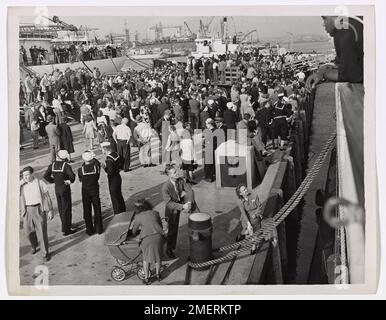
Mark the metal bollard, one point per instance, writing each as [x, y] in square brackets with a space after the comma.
[200, 237]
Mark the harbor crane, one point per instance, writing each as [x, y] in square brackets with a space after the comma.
[204, 28]
[248, 34]
[62, 24]
[187, 27]
[191, 35]
[159, 28]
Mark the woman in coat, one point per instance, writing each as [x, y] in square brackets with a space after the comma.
[152, 236]
[251, 212]
[66, 139]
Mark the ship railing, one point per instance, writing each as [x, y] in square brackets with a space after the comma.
[346, 212]
[311, 63]
[231, 75]
[53, 58]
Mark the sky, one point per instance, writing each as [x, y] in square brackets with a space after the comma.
[268, 27]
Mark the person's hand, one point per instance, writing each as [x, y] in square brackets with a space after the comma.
[186, 206]
[50, 215]
[67, 182]
[249, 229]
[312, 81]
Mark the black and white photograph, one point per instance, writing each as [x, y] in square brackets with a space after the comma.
[220, 148]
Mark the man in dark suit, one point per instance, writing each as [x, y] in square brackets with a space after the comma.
[230, 116]
[178, 197]
[195, 109]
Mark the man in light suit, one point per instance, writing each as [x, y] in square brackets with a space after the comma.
[178, 197]
[53, 138]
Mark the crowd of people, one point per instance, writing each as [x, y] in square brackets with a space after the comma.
[169, 103]
[131, 109]
[67, 53]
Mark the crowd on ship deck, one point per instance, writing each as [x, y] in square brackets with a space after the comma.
[169, 103]
[66, 53]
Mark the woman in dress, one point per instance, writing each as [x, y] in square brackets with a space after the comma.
[89, 130]
[152, 237]
[101, 124]
[251, 212]
[42, 118]
[188, 155]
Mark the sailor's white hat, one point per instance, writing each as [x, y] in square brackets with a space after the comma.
[105, 144]
[63, 155]
[88, 155]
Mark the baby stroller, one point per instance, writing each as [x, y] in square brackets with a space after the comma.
[124, 247]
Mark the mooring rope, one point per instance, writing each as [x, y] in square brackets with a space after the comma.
[279, 217]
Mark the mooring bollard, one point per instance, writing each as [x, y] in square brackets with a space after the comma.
[200, 237]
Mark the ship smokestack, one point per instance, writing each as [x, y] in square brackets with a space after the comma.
[225, 28]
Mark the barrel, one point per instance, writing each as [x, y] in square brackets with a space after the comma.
[200, 237]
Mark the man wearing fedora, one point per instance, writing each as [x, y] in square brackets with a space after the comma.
[89, 174]
[60, 173]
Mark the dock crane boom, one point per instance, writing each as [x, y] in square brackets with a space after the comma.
[62, 24]
[249, 33]
[190, 31]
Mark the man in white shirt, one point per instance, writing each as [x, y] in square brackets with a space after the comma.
[44, 83]
[301, 76]
[29, 87]
[122, 136]
[143, 134]
[36, 207]
[215, 69]
[111, 112]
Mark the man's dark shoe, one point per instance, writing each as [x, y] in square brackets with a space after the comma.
[170, 254]
[47, 257]
[34, 250]
[72, 231]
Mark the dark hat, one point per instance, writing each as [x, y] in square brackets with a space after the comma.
[27, 169]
